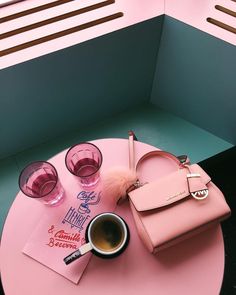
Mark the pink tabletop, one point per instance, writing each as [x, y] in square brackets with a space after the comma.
[194, 266]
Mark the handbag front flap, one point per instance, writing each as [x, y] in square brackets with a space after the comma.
[170, 189]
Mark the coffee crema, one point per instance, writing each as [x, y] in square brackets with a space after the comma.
[107, 234]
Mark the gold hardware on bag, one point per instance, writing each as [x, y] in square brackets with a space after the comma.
[200, 195]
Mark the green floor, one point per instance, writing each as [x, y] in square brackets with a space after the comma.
[151, 125]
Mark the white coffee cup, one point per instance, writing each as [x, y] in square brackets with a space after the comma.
[107, 236]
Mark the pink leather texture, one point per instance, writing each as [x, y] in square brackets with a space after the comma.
[167, 190]
[167, 213]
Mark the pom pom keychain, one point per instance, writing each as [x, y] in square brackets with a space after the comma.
[118, 180]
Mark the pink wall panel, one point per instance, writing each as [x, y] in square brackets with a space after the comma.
[134, 11]
[195, 13]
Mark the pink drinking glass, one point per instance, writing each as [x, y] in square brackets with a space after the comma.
[39, 180]
[84, 160]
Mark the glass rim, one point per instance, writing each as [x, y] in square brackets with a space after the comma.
[27, 166]
[73, 146]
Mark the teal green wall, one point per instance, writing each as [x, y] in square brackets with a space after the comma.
[168, 63]
[69, 89]
[196, 78]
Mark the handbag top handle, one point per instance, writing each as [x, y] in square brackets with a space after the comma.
[181, 161]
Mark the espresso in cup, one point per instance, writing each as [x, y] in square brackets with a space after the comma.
[107, 236]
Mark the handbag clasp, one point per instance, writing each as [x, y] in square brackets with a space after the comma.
[200, 194]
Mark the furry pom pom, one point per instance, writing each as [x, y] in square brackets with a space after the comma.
[116, 181]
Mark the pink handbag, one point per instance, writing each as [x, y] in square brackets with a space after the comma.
[177, 206]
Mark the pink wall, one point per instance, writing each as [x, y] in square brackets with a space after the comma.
[134, 11]
[195, 13]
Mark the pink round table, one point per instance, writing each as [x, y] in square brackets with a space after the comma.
[194, 266]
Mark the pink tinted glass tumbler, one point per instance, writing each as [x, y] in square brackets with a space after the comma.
[84, 160]
[39, 180]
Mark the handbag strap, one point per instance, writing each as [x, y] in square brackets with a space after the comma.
[197, 187]
[132, 137]
[181, 161]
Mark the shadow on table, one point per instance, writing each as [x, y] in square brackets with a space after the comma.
[190, 249]
[221, 168]
[1, 288]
